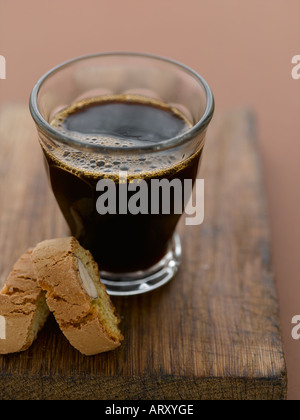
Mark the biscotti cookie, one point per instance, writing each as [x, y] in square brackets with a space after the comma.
[79, 302]
[23, 308]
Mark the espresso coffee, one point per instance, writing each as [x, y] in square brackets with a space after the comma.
[125, 121]
[120, 243]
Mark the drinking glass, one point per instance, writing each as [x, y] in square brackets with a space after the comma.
[136, 253]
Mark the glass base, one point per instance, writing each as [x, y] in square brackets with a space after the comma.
[129, 284]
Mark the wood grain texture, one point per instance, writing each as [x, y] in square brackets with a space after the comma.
[212, 333]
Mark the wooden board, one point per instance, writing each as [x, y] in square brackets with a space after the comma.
[212, 333]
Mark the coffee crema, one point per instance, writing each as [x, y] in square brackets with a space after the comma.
[121, 122]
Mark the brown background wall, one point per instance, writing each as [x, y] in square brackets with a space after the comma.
[243, 48]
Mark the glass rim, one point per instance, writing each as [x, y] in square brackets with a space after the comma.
[173, 142]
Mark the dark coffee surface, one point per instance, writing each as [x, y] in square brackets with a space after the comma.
[126, 120]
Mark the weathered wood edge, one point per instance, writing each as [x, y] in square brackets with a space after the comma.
[146, 388]
[254, 136]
